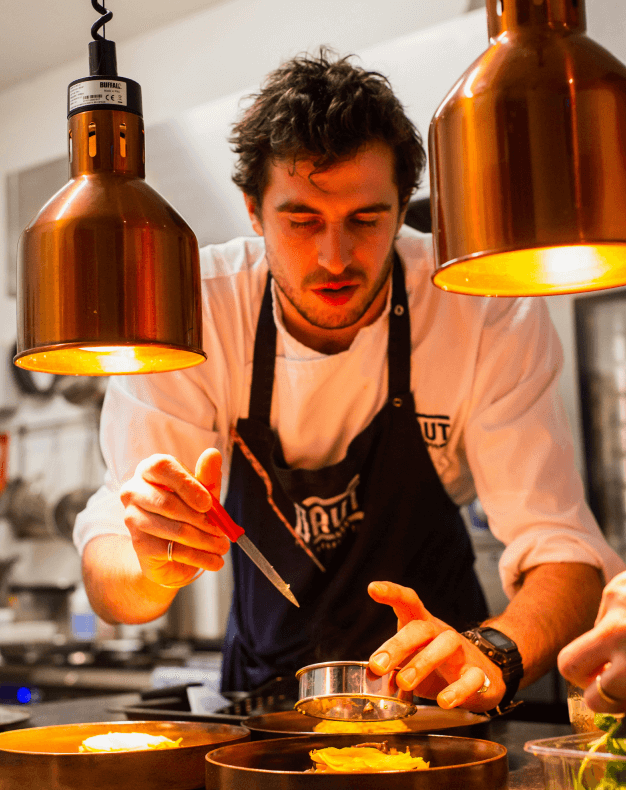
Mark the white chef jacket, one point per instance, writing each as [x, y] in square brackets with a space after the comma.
[483, 374]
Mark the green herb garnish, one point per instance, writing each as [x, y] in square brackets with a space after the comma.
[615, 772]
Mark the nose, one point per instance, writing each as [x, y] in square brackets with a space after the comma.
[334, 248]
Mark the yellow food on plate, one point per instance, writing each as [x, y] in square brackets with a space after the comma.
[367, 758]
[127, 742]
[367, 727]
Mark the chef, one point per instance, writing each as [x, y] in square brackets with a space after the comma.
[347, 408]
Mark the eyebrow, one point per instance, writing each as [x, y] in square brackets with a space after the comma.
[291, 207]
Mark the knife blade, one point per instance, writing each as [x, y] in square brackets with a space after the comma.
[237, 535]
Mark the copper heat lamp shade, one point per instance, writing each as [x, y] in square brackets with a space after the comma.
[528, 160]
[108, 272]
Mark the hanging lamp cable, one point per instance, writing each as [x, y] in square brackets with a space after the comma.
[106, 17]
[102, 57]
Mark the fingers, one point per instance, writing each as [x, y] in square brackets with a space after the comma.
[435, 660]
[177, 572]
[209, 470]
[613, 598]
[392, 653]
[165, 470]
[429, 659]
[581, 660]
[152, 553]
[405, 601]
[162, 485]
[165, 503]
[472, 680]
[442, 665]
[607, 692]
[208, 539]
[159, 500]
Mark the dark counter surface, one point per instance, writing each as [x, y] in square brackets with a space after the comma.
[525, 770]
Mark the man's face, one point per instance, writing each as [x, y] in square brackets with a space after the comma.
[329, 243]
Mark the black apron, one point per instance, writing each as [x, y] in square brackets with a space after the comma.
[380, 514]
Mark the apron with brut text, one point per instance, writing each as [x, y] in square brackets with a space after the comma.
[380, 514]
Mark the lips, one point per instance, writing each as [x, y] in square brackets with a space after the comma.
[335, 294]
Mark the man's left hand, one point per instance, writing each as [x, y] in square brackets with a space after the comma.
[434, 660]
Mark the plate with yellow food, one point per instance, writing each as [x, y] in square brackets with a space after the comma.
[118, 755]
[427, 718]
[365, 758]
[360, 762]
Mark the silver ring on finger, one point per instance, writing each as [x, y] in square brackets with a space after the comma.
[170, 549]
[484, 686]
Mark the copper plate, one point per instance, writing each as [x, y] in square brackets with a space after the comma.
[427, 719]
[456, 764]
[49, 757]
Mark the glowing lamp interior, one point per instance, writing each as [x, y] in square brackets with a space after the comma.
[85, 360]
[536, 271]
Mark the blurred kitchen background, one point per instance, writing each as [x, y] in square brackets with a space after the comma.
[195, 60]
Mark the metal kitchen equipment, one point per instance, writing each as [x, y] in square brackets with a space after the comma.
[23, 502]
[51, 755]
[349, 690]
[465, 763]
[66, 509]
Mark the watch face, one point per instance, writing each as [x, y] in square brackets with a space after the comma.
[497, 639]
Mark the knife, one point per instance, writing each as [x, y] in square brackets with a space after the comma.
[236, 534]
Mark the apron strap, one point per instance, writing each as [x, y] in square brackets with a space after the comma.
[398, 356]
[399, 351]
[264, 360]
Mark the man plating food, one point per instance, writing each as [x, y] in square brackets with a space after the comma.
[349, 408]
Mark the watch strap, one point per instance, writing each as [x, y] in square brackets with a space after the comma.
[510, 665]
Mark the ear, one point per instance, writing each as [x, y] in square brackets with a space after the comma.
[252, 205]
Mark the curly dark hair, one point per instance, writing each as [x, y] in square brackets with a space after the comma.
[323, 109]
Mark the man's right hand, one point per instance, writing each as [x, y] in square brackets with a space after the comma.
[601, 652]
[164, 502]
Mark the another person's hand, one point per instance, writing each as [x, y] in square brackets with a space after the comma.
[436, 661]
[596, 661]
[164, 503]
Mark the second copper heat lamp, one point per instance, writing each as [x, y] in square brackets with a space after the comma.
[528, 159]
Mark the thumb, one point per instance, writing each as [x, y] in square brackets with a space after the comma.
[405, 601]
[209, 470]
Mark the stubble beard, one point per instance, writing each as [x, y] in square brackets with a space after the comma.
[323, 318]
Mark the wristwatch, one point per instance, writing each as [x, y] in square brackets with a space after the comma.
[502, 650]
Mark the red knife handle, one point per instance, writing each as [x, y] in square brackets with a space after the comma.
[220, 517]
